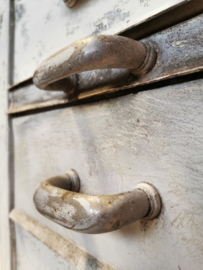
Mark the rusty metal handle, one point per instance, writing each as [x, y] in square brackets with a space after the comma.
[94, 52]
[57, 198]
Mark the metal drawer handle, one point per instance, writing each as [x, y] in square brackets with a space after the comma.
[70, 3]
[95, 52]
[57, 199]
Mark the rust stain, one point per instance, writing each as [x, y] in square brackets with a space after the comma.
[125, 209]
[144, 224]
[65, 194]
[174, 221]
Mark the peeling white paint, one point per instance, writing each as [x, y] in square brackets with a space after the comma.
[54, 192]
[62, 26]
[84, 203]
[179, 44]
[71, 256]
[114, 155]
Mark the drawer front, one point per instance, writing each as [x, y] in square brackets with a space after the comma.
[179, 52]
[152, 136]
[33, 255]
[44, 27]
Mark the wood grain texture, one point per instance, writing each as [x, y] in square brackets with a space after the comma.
[27, 247]
[32, 254]
[37, 25]
[179, 53]
[152, 136]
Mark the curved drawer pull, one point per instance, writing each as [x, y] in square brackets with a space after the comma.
[95, 52]
[70, 3]
[57, 199]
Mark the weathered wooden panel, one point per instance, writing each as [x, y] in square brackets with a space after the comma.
[180, 52]
[77, 257]
[153, 136]
[44, 27]
[33, 255]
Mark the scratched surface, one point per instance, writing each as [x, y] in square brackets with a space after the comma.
[28, 248]
[44, 27]
[154, 136]
[33, 255]
[180, 52]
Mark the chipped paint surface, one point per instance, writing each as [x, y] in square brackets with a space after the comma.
[95, 52]
[151, 136]
[37, 34]
[179, 53]
[91, 214]
[71, 256]
[179, 43]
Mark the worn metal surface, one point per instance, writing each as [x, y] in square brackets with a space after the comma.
[95, 52]
[56, 199]
[34, 255]
[70, 3]
[151, 136]
[179, 52]
[37, 24]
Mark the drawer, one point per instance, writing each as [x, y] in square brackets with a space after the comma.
[151, 131]
[41, 28]
[151, 136]
[32, 254]
[179, 53]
